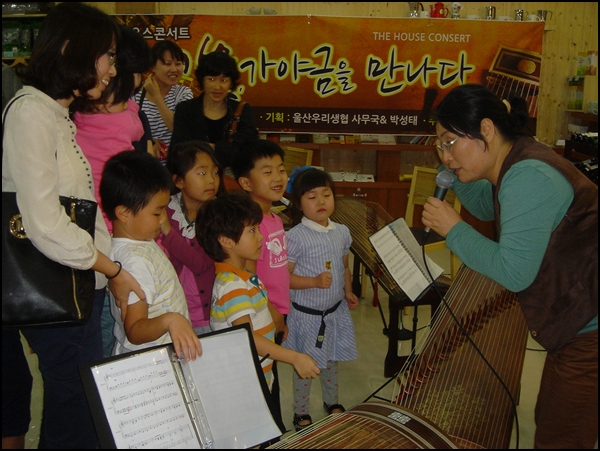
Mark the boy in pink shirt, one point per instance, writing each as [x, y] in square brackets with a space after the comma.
[258, 168]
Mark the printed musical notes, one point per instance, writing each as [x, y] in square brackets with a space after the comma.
[400, 253]
[143, 402]
[151, 399]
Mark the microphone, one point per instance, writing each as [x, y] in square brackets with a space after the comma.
[443, 181]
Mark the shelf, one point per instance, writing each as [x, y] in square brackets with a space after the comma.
[379, 147]
[579, 118]
[366, 185]
[23, 16]
[579, 151]
[20, 32]
[580, 90]
[11, 58]
[584, 116]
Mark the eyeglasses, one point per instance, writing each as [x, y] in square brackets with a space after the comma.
[112, 58]
[445, 147]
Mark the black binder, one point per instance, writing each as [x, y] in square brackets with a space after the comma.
[152, 399]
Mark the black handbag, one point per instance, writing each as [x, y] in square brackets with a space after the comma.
[37, 291]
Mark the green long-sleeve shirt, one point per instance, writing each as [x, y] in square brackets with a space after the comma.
[533, 198]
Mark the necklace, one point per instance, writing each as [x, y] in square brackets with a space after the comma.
[190, 224]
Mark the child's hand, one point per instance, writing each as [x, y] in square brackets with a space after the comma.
[323, 280]
[352, 300]
[284, 333]
[278, 319]
[306, 366]
[186, 342]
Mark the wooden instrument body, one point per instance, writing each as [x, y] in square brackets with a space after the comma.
[446, 379]
[370, 425]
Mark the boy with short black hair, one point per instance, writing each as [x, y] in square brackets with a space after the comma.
[258, 168]
[135, 189]
[227, 229]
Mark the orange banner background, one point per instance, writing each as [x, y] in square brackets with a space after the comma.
[356, 75]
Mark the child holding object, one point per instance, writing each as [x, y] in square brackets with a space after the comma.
[319, 322]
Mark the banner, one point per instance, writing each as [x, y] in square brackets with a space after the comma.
[356, 75]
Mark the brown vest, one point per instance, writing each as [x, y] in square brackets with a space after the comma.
[563, 298]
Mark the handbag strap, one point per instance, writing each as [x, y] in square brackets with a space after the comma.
[11, 101]
[142, 97]
[236, 119]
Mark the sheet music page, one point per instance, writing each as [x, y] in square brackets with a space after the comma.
[143, 402]
[402, 256]
[227, 383]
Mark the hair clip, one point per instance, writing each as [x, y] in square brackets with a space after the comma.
[297, 170]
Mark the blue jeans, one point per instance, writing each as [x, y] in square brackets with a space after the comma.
[66, 418]
[108, 323]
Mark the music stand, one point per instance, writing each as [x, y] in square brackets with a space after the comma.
[364, 218]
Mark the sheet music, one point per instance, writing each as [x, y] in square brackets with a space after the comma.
[402, 256]
[227, 383]
[152, 400]
[143, 402]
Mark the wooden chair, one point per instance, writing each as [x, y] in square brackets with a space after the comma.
[422, 187]
[295, 156]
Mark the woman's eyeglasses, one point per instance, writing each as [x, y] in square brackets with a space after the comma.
[112, 58]
[445, 147]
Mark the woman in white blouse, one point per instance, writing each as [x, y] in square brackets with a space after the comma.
[74, 56]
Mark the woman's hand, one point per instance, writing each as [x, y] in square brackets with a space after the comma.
[121, 286]
[120, 282]
[439, 216]
[152, 89]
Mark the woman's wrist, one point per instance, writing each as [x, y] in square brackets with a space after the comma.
[117, 272]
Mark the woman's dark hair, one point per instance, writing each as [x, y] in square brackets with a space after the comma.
[217, 63]
[133, 57]
[307, 181]
[462, 110]
[158, 51]
[182, 158]
[71, 39]
[226, 215]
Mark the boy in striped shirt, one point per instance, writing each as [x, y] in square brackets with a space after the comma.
[227, 229]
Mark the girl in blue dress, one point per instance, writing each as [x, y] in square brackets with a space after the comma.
[319, 321]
